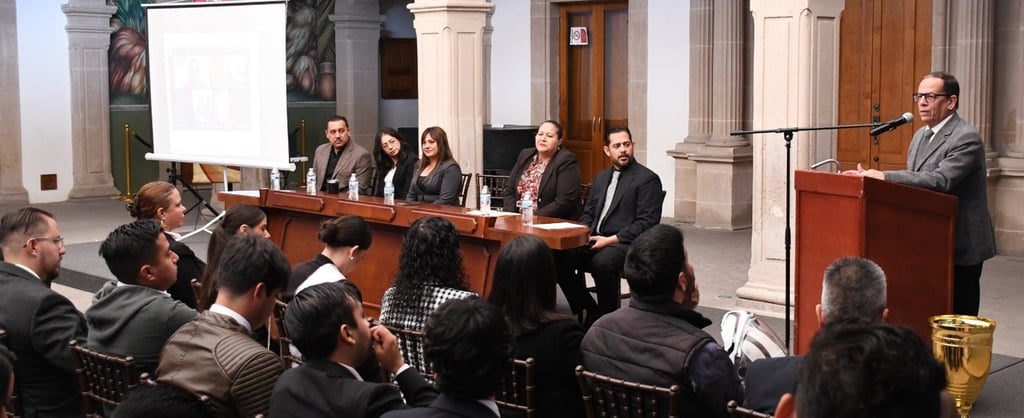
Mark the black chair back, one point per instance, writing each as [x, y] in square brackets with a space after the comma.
[737, 411]
[104, 379]
[465, 189]
[284, 340]
[13, 403]
[517, 388]
[496, 185]
[608, 397]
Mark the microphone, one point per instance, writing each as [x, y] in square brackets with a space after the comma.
[890, 125]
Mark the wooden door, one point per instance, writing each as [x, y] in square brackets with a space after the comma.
[884, 50]
[593, 90]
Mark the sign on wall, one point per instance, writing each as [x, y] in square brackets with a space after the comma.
[578, 36]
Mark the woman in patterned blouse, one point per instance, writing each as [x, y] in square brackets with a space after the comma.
[550, 173]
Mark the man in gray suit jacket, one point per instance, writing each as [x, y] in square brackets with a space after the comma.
[948, 156]
[340, 157]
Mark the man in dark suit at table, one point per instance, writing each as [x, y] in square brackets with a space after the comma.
[39, 322]
[948, 156]
[625, 200]
[340, 157]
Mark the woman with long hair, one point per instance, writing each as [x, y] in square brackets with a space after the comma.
[394, 163]
[160, 200]
[438, 177]
[239, 219]
[524, 289]
[550, 173]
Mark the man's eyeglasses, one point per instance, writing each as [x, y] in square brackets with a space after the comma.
[59, 241]
[928, 98]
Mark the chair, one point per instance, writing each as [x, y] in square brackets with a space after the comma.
[605, 396]
[410, 342]
[13, 403]
[496, 185]
[284, 340]
[585, 192]
[197, 290]
[517, 388]
[465, 189]
[737, 411]
[104, 379]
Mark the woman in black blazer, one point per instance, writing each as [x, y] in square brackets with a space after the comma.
[390, 154]
[550, 173]
[438, 177]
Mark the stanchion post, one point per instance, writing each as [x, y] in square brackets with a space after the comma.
[127, 196]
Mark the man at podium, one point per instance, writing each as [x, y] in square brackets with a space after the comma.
[948, 156]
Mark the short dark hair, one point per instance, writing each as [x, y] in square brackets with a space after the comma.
[558, 127]
[853, 288]
[345, 231]
[24, 221]
[336, 118]
[468, 342]
[857, 369]
[6, 372]
[615, 130]
[950, 85]
[130, 246]
[315, 314]
[249, 260]
[161, 400]
[524, 284]
[653, 263]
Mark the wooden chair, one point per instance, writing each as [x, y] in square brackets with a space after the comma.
[13, 403]
[605, 396]
[737, 411]
[496, 184]
[410, 342]
[465, 189]
[585, 192]
[284, 339]
[517, 388]
[197, 290]
[104, 379]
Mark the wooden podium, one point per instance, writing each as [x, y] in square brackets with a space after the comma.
[906, 230]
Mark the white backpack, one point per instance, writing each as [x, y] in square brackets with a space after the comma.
[746, 339]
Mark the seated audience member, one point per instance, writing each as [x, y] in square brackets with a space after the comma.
[468, 342]
[6, 378]
[39, 322]
[657, 339]
[867, 370]
[341, 157]
[346, 240]
[853, 288]
[239, 219]
[524, 289]
[550, 173]
[327, 324]
[437, 177]
[161, 401]
[134, 316]
[215, 355]
[429, 273]
[395, 163]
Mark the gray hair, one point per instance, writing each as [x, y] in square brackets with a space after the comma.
[853, 288]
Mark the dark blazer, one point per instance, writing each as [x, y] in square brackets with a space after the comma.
[445, 406]
[635, 207]
[768, 379]
[40, 323]
[556, 349]
[953, 162]
[441, 186]
[189, 267]
[354, 158]
[402, 180]
[559, 188]
[322, 388]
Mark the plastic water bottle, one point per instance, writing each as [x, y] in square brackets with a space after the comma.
[526, 209]
[275, 179]
[389, 193]
[353, 187]
[485, 200]
[311, 181]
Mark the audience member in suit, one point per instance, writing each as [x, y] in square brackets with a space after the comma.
[616, 215]
[948, 156]
[346, 240]
[524, 289]
[340, 157]
[857, 369]
[468, 342]
[327, 324]
[215, 355]
[395, 163]
[134, 316]
[853, 288]
[6, 378]
[161, 401]
[550, 173]
[438, 177]
[160, 200]
[39, 322]
[239, 219]
[658, 339]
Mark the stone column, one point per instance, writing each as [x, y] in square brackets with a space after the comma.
[89, 31]
[1015, 143]
[796, 72]
[972, 36]
[450, 42]
[11, 188]
[357, 25]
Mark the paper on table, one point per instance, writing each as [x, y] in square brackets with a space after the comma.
[492, 213]
[247, 193]
[558, 225]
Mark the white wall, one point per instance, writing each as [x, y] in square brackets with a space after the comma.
[668, 74]
[510, 63]
[44, 80]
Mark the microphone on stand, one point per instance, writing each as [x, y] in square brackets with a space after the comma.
[893, 124]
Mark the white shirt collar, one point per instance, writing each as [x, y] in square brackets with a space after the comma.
[28, 270]
[224, 310]
[938, 126]
[490, 404]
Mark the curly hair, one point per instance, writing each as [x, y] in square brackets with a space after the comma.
[430, 257]
[151, 197]
[234, 218]
[469, 344]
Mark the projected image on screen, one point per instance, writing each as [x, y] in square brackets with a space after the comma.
[211, 90]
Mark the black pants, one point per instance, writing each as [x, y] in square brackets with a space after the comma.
[604, 265]
[967, 289]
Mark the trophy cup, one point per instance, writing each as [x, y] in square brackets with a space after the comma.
[963, 344]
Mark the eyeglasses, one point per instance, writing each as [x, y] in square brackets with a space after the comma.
[928, 97]
[59, 241]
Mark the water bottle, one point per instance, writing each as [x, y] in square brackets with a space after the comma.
[353, 187]
[311, 181]
[485, 200]
[526, 209]
[389, 193]
[275, 179]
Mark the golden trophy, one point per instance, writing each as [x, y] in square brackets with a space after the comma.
[963, 344]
